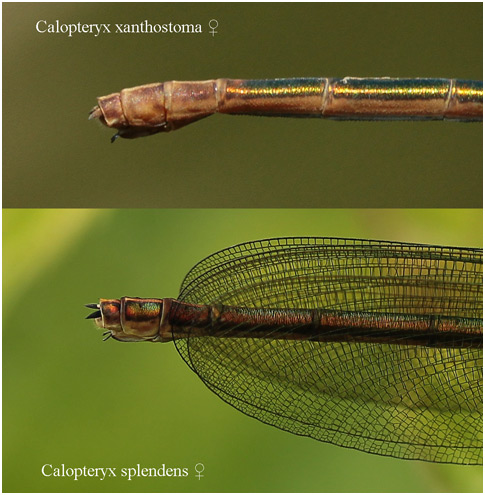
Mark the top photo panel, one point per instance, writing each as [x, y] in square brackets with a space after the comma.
[342, 105]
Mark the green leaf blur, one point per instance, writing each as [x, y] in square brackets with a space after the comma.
[71, 399]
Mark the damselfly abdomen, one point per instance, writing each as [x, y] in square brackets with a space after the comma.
[163, 107]
[366, 344]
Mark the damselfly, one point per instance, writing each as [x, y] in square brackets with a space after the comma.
[163, 107]
[366, 344]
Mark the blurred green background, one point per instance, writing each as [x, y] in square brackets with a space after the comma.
[54, 157]
[69, 398]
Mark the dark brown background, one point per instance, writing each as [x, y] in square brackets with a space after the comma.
[54, 157]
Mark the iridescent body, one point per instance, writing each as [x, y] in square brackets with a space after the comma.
[372, 345]
[162, 107]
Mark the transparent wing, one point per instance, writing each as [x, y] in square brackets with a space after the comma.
[410, 402]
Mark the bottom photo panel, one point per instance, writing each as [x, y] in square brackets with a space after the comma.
[212, 350]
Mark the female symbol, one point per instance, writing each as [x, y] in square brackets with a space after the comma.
[213, 25]
[199, 468]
